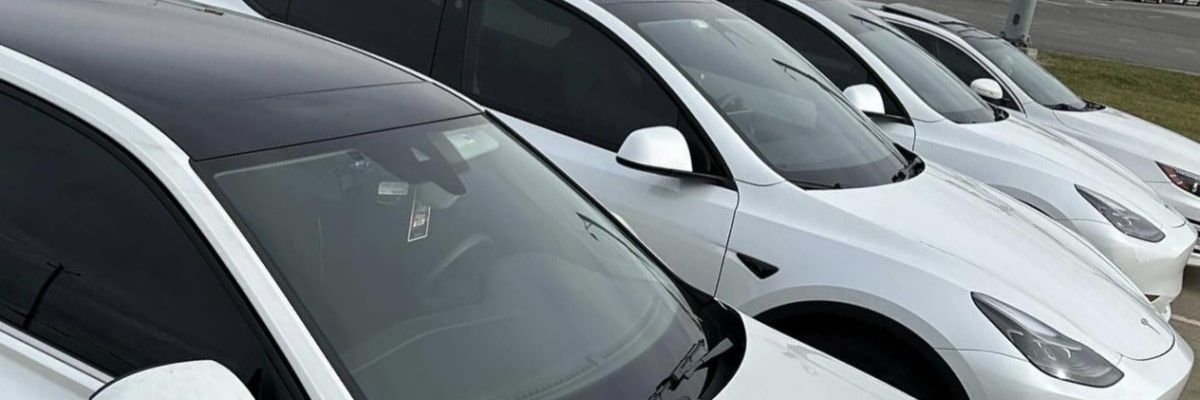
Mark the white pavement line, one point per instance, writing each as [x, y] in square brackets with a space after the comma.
[1092, 2]
[1185, 320]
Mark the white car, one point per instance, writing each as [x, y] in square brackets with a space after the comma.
[756, 180]
[1166, 161]
[317, 223]
[921, 105]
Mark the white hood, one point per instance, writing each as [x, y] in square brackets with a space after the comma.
[1025, 259]
[1129, 133]
[1023, 144]
[776, 366]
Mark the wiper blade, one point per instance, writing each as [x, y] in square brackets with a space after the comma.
[1062, 107]
[816, 185]
[686, 367]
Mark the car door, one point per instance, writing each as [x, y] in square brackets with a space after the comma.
[836, 62]
[575, 93]
[101, 275]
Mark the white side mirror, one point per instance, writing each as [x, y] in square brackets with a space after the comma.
[866, 98]
[192, 380]
[657, 149]
[987, 88]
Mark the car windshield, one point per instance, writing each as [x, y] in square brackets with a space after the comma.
[923, 73]
[1028, 74]
[781, 105]
[445, 261]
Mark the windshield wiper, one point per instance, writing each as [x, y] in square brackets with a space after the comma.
[686, 368]
[1062, 107]
[816, 185]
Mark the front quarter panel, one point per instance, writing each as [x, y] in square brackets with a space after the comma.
[777, 367]
[825, 254]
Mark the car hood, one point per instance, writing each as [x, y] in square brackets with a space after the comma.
[1025, 144]
[776, 366]
[1026, 259]
[1130, 133]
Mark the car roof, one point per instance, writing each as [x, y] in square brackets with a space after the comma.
[955, 25]
[222, 83]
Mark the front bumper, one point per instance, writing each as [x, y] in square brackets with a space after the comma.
[1001, 376]
[1188, 205]
[1156, 268]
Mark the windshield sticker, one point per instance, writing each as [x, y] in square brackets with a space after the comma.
[418, 223]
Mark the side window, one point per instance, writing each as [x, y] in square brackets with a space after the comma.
[816, 45]
[542, 63]
[958, 62]
[404, 31]
[94, 262]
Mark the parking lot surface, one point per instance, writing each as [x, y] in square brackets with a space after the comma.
[1157, 35]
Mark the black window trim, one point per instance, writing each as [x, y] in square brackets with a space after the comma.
[204, 249]
[721, 176]
[1004, 86]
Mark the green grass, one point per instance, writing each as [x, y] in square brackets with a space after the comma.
[1170, 99]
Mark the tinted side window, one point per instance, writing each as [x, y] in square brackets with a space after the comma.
[542, 63]
[816, 45]
[404, 31]
[94, 262]
[960, 63]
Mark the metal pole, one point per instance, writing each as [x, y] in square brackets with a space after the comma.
[1016, 29]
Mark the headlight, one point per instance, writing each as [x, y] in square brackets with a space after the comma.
[1187, 181]
[1126, 221]
[1051, 352]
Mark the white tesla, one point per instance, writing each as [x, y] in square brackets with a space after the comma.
[317, 223]
[756, 180]
[1165, 160]
[920, 104]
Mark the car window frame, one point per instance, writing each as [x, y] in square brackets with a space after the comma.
[719, 172]
[231, 290]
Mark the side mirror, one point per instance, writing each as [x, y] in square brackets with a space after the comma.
[987, 88]
[192, 380]
[866, 98]
[659, 149]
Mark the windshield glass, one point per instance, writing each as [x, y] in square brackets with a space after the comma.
[779, 103]
[1028, 74]
[447, 262]
[925, 75]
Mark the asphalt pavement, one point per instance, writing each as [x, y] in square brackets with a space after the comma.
[1158, 35]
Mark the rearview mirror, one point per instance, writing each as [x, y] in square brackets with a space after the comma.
[659, 149]
[192, 380]
[987, 88]
[866, 98]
